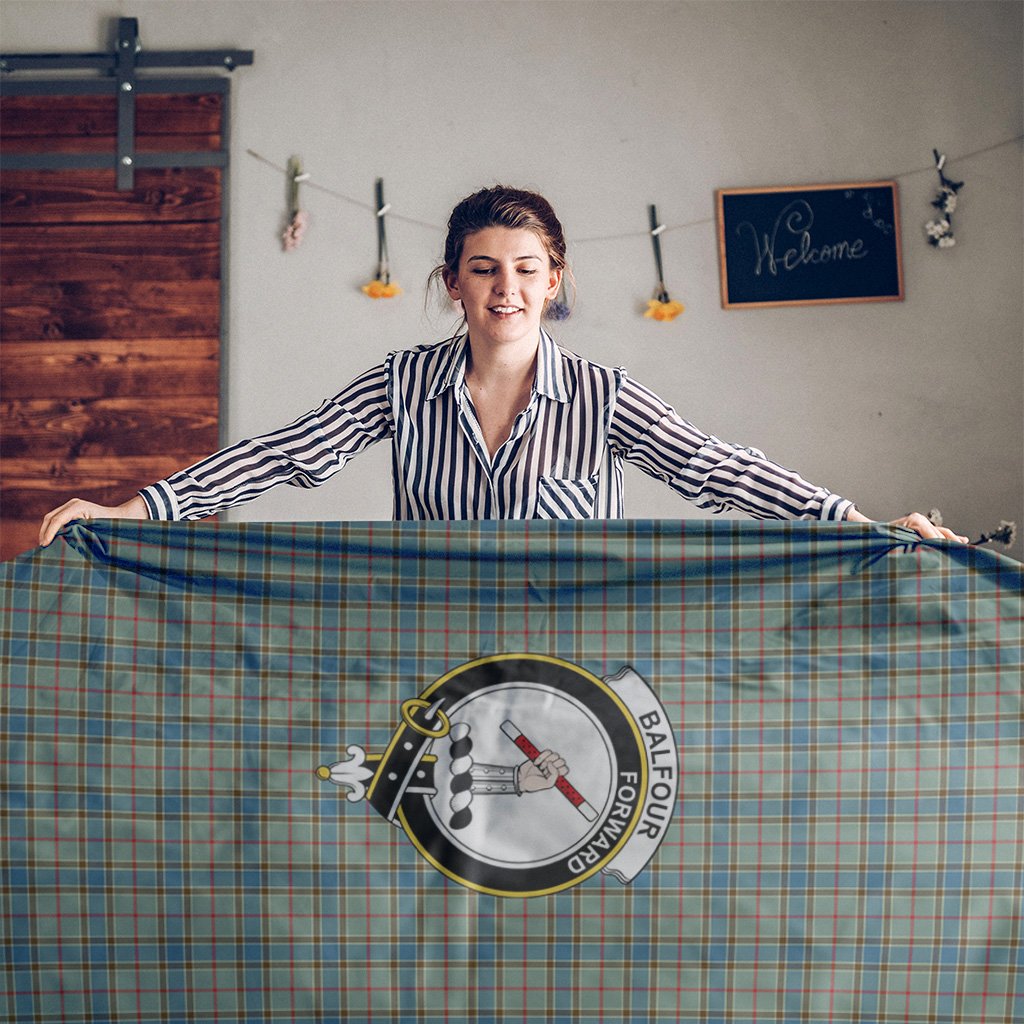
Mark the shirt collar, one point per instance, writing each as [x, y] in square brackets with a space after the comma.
[451, 370]
[551, 376]
[549, 381]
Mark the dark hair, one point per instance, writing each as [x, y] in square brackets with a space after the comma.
[501, 207]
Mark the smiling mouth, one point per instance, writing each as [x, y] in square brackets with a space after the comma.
[505, 310]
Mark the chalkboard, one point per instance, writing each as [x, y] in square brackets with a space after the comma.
[812, 244]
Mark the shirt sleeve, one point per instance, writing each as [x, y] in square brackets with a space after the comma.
[304, 454]
[711, 473]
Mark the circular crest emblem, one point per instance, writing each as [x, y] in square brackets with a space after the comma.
[524, 775]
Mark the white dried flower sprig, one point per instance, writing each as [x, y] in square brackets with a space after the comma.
[1005, 533]
[940, 231]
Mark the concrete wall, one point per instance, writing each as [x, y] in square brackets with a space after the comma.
[606, 107]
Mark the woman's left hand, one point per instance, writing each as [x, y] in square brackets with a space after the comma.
[914, 521]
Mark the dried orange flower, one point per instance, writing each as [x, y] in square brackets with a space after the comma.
[665, 311]
[379, 290]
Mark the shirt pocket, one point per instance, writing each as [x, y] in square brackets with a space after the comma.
[562, 498]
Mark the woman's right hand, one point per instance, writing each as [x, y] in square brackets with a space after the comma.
[76, 508]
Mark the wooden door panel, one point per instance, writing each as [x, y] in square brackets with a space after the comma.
[53, 428]
[111, 369]
[31, 482]
[110, 252]
[46, 118]
[91, 309]
[111, 305]
[181, 143]
[77, 197]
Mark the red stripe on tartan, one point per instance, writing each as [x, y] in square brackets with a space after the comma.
[212, 790]
[791, 627]
[132, 787]
[995, 818]
[680, 720]
[547, 989]
[447, 658]
[313, 750]
[682, 703]
[666, 844]
[447, 631]
[819, 698]
[291, 815]
[365, 917]
[58, 895]
[526, 594]
[839, 766]
[760, 761]
[604, 661]
[482, 916]
[915, 842]
[525, 961]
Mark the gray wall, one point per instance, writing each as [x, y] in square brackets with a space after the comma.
[606, 107]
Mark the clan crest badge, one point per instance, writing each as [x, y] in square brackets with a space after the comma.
[524, 775]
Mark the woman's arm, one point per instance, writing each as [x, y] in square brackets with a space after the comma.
[717, 475]
[711, 473]
[305, 454]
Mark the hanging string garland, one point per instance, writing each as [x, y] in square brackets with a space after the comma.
[940, 232]
[698, 222]
[382, 287]
[298, 218]
[661, 307]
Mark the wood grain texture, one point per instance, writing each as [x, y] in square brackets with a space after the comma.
[110, 252]
[83, 197]
[108, 144]
[110, 369]
[92, 310]
[70, 428]
[32, 487]
[91, 116]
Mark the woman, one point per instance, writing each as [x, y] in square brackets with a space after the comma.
[498, 422]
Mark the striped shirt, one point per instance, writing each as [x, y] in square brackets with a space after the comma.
[562, 460]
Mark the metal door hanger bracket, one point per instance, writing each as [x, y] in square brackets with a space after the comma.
[128, 48]
[123, 64]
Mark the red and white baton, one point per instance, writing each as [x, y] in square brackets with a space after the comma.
[562, 784]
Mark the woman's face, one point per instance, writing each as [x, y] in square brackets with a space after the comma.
[505, 278]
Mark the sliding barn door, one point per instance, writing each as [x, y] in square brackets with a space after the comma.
[111, 301]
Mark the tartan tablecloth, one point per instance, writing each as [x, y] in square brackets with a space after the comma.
[833, 714]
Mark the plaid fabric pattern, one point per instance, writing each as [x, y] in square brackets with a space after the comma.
[847, 846]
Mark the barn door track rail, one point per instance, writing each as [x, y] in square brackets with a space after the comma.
[121, 68]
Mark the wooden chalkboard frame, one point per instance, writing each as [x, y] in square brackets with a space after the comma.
[739, 294]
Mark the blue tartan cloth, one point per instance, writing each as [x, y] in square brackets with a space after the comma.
[495, 772]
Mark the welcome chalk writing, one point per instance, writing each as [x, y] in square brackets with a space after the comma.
[813, 244]
[797, 219]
